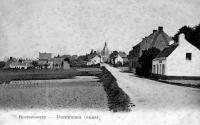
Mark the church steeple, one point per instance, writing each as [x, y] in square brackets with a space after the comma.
[105, 46]
[105, 53]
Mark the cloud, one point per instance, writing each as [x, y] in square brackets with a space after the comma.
[76, 26]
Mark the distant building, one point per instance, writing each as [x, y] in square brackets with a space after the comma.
[66, 64]
[44, 56]
[44, 60]
[9, 62]
[18, 65]
[94, 58]
[58, 62]
[61, 62]
[158, 39]
[180, 60]
[118, 57]
[105, 53]
[13, 63]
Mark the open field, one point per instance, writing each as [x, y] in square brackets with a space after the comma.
[8, 75]
[93, 88]
[81, 92]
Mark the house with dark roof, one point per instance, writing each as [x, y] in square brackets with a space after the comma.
[179, 60]
[118, 57]
[158, 39]
[94, 58]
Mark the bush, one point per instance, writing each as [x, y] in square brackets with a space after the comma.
[2, 64]
[146, 62]
[118, 100]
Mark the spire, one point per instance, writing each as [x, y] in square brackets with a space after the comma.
[105, 46]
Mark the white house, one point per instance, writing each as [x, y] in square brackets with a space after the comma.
[94, 60]
[179, 60]
[118, 59]
[18, 65]
[121, 57]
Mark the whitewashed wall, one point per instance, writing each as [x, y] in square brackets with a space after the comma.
[95, 60]
[158, 68]
[119, 59]
[177, 65]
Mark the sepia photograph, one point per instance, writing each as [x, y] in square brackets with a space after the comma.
[98, 62]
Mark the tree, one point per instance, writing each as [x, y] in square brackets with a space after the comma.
[192, 35]
[2, 64]
[67, 59]
[35, 64]
[46, 66]
[20, 60]
[146, 61]
[113, 56]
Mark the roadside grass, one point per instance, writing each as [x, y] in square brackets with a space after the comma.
[118, 100]
[186, 83]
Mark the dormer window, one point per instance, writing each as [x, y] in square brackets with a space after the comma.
[188, 56]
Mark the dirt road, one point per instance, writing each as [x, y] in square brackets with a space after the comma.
[153, 95]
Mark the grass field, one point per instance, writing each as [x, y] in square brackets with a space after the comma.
[9, 75]
[81, 92]
[92, 88]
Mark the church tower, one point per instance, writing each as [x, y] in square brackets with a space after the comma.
[105, 53]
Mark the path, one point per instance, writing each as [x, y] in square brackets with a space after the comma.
[153, 95]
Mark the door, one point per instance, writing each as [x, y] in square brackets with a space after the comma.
[163, 69]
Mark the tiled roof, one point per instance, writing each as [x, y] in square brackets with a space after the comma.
[167, 51]
[93, 55]
[166, 38]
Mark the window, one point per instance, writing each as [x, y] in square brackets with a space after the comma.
[163, 69]
[160, 69]
[188, 56]
[154, 71]
[157, 68]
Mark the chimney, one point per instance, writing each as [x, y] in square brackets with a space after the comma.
[171, 42]
[181, 40]
[154, 31]
[160, 28]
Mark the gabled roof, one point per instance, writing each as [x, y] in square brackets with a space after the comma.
[93, 55]
[166, 38]
[167, 51]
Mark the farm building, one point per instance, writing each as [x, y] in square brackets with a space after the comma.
[17, 65]
[61, 62]
[13, 63]
[45, 60]
[119, 57]
[94, 59]
[57, 62]
[158, 39]
[66, 64]
[179, 60]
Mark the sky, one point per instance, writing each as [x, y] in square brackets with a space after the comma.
[28, 27]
